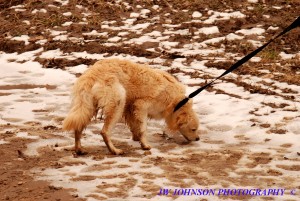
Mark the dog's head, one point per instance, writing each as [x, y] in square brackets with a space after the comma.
[186, 121]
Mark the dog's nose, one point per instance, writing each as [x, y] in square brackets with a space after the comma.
[197, 139]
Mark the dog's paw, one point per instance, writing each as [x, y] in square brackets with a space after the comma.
[80, 152]
[145, 146]
[118, 151]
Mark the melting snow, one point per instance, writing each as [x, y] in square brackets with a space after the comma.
[24, 38]
[196, 14]
[257, 31]
[209, 30]
[3, 142]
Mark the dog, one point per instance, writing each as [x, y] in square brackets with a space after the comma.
[121, 88]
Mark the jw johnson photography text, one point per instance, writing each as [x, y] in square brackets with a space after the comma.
[226, 192]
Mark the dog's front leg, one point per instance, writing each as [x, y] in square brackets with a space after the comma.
[138, 129]
[143, 139]
[137, 121]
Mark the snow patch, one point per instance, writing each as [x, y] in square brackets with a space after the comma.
[257, 31]
[196, 14]
[215, 16]
[209, 30]
[24, 38]
[3, 142]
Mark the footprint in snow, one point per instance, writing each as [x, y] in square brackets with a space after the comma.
[219, 127]
[206, 111]
[294, 127]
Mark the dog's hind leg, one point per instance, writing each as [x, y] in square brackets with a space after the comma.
[112, 115]
[113, 110]
[136, 118]
[78, 148]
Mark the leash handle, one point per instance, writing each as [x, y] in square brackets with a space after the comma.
[240, 62]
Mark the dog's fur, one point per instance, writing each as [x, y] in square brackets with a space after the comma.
[134, 91]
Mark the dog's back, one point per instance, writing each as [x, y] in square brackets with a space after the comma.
[140, 81]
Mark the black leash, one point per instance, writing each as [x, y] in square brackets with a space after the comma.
[295, 24]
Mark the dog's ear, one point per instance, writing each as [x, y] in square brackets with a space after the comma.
[181, 119]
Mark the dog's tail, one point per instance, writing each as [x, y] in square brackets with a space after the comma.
[82, 109]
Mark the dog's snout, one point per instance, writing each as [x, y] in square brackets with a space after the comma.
[197, 139]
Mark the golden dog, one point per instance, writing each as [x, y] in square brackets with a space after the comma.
[134, 91]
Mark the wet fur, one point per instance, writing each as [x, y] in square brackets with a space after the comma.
[134, 91]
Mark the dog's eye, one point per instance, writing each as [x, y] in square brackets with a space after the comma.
[194, 130]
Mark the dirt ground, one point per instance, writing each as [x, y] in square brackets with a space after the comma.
[16, 178]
